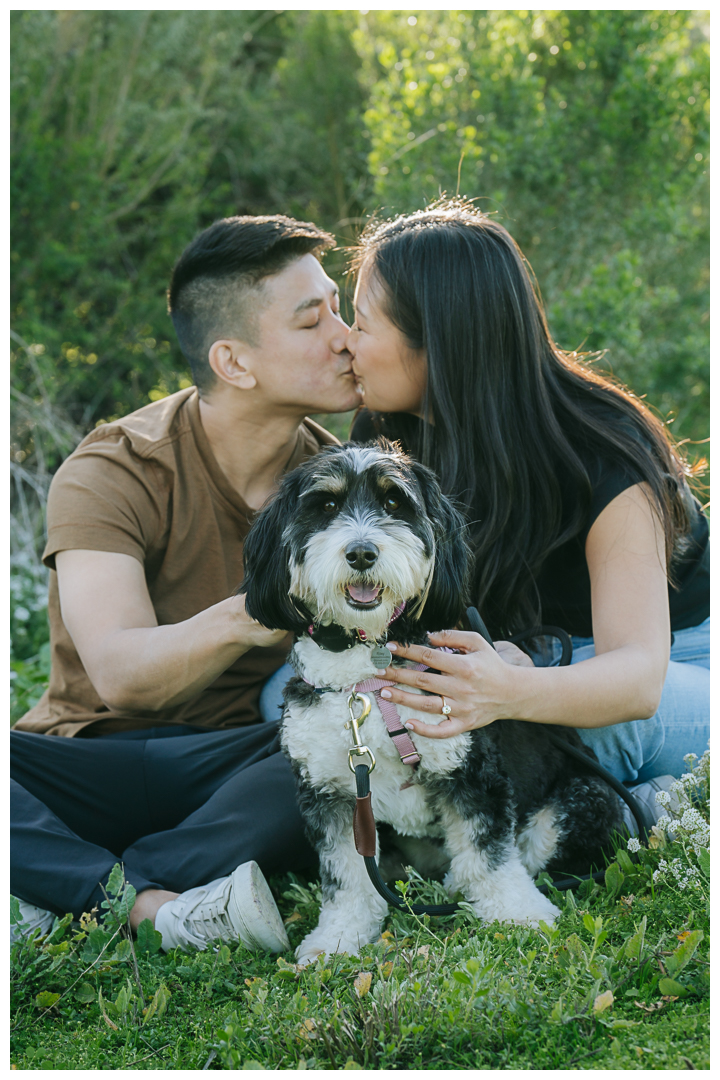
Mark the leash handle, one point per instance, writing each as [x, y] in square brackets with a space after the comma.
[479, 627]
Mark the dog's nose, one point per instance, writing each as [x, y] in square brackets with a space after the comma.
[362, 555]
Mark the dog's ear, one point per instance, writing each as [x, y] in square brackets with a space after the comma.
[266, 556]
[446, 598]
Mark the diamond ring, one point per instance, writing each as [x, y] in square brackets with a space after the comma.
[446, 710]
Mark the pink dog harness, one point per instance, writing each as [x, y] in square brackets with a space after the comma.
[395, 727]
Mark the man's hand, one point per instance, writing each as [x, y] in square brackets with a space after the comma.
[134, 664]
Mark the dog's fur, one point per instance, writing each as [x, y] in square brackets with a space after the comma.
[503, 801]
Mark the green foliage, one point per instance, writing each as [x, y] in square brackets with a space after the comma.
[131, 131]
[148, 938]
[28, 681]
[586, 132]
[119, 899]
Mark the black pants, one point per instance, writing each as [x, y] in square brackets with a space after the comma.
[178, 808]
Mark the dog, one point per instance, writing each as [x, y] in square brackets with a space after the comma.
[358, 543]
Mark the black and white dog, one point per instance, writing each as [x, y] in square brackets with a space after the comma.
[359, 540]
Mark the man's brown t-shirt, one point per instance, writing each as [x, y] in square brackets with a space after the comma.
[149, 486]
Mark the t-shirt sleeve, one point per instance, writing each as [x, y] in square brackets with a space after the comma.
[104, 498]
[608, 479]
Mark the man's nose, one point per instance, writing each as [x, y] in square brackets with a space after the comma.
[361, 555]
[340, 334]
[350, 339]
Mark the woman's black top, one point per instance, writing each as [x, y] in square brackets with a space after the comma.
[564, 581]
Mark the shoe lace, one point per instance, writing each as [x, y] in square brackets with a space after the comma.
[206, 917]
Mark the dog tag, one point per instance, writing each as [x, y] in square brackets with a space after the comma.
[381, 656]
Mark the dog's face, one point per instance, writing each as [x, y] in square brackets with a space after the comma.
[351, 535]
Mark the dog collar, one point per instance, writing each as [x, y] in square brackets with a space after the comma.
[336, 638]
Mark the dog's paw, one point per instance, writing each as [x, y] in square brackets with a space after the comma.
[306, 955]
[305, 958]
[532, 912]
[548, 916]
[330, 944]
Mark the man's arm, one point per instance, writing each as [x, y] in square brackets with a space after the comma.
[134, 664]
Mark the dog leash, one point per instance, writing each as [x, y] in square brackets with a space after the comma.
[364, 830]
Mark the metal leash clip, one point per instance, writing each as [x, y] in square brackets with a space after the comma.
[353, 724]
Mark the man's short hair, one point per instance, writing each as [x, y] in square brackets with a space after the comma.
[213, 282]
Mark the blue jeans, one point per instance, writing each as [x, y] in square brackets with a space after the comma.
[639, 749]
[271, 695]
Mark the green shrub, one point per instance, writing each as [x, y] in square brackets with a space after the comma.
[586, 133]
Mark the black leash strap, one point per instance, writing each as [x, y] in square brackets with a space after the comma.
[362, 779]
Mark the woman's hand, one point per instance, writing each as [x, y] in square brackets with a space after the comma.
[476, 682]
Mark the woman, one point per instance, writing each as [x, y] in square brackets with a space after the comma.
[578, 506]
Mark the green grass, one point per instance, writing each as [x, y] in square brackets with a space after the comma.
[620, 982]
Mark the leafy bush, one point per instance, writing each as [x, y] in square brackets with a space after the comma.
[131, 132]
[586, 133]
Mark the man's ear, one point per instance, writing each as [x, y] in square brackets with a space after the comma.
[266, 557]
[231, 361]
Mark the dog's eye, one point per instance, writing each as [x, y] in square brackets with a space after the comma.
[329, 506]
[391, 504]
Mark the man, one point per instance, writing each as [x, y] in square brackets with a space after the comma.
[156, 667]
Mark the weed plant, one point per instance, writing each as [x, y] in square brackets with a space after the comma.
[620, 982]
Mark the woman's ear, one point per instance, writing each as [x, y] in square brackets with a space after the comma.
[447, 595]
[265, 556]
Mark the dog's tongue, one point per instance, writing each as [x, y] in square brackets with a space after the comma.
[364, 594]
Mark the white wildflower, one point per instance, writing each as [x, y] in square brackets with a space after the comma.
[633, 844]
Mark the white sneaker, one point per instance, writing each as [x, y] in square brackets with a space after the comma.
[33, 919]
[239, 906]
[645, 795]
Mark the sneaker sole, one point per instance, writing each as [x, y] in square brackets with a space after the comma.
[255, 911]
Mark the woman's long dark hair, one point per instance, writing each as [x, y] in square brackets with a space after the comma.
[509, 409]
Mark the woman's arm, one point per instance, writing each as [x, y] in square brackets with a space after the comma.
[625, 553]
